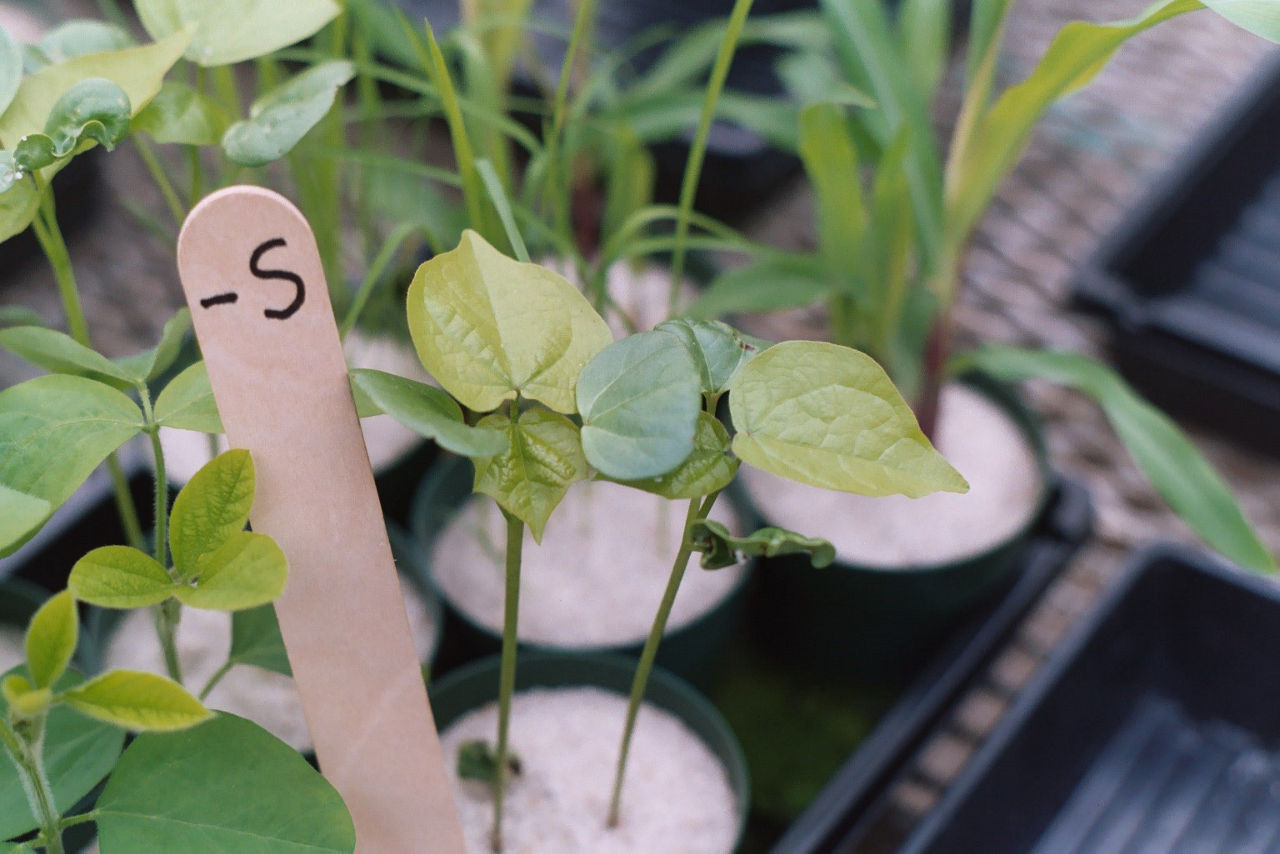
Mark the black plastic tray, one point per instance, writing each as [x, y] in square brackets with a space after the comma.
[846, 808]
[1190, 279]
[1152, 729]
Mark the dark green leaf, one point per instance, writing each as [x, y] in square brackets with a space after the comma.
[720, 548]
[226, 785]
[429, 411]
[20, 315]
[1163, 452]
[61, 354]
[256, 640]
[97, 109]
[20, 515]
[477, 760]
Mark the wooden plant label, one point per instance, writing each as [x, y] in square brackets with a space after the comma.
[253, 279]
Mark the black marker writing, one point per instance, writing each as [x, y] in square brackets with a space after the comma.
[289, 310]
[220, 299]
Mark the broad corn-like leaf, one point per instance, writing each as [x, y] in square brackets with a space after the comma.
[213, 506]
[775, 283]
[119, 577]
[20, 516]
[1163, 452]
[227, 785]
[530, 478]
[707, 469]
[489, 328]
[248, 570]
[281, 118]
[639, 399]
[831, 161]
[136, 701]
[228, 31]
[429, 411]
[828, 416]
[924, 42]
[187, 403]
[51, 639]
[60, 353]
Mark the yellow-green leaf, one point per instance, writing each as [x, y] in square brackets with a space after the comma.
[531, 477]
[488, 327]
[248, 570]
[828, 416]
[119, 577]
[51, 639]
[228, 31]
[137, 701]
[212, 507]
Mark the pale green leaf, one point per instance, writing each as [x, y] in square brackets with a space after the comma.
[531, 477]
[248, 570]
[639, 400]
[775, 283]
[828, 416]
[428, 411]
[56, 429]
[78, 753]
[51, 639]
[20, 315]
[149, 364]
[212, 507]
[1165, 455]
[256, 640]
[228, 31]
[1260, 17]
[119, 577]
[18, 203]
[187, 403]
[708, 468]
[720, 548]
[717, 348]
[136, 701]
[1077, 53]
[831, 162]
[924, 42]
[10, 69]
[281, 118]
[487, 327]
[82, 37]
[60, 353]
[227, 786]
[20, 515]
[179, 114]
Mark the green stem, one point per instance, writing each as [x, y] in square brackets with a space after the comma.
[27, 756]
[125, 505]
[176, 209]
[169, 613]
[215, 679]
[697, 510]
[693, 166]
[82, 818]
[507, 675]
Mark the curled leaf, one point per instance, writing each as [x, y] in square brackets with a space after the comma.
[720, 548]
[94, 110]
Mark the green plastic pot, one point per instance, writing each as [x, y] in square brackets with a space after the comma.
[693, 651]
[476, 684]
[874, 624]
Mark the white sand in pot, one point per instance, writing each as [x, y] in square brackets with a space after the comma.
[676, 797]
[976, 437]
[204, 637]
[598, 576]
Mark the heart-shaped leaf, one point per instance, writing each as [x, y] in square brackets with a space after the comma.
[56, 429]
[720, 548]
[179, 114]
[228, 31]
[119, 577]
[708, 468]
[717, 348]
[282, 117]
[51, 639]
[136, 701]
[828, 416]
[78, 753]
[487, 327]
[639, 398]
[531, 477]
[20, 515]
[60, 353]
[187, 402]
[226, 785]
[429, 411]
[213, 506]
[248, 570]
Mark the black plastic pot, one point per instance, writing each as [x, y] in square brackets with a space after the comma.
[477, 684]
[692, 651]
[1190, 279]
[1154, 726]
[874, 624]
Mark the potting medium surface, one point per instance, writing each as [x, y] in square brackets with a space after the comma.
[268, 698]
[597, 577]
[975, 436]
[676, 797]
